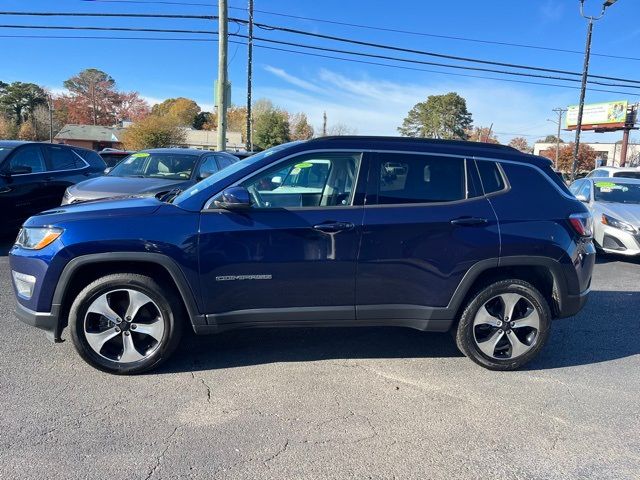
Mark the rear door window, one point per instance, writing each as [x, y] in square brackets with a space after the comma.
[414, 178]
[61, 158]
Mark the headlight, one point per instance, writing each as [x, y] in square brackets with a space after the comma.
[615, 223]
[36, 238]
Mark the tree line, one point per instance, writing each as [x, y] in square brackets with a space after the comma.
[29, 112]
[447, 117]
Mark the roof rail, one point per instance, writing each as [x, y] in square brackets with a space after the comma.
[432, 141]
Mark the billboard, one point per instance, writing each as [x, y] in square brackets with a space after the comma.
[609, 115]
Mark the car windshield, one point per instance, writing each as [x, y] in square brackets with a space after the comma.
[616, 192]
[230, 170]
[4, 152]
[172, 166]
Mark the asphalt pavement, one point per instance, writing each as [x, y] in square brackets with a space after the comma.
[332, 403]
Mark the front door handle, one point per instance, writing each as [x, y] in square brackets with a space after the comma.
[334, 227]
[469, 221]
[47, 179]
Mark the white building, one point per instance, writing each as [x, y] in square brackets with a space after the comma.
[607, 153]
[208, 139]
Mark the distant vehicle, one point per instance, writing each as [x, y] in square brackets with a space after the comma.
[34, 177]
[434, 235]
[615, 172]
[112, 156]
[151, 172]
[242, 155]
[615, 206]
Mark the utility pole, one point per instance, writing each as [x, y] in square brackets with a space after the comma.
[249, 78]
[324, 124]
[585, 73]
[223, 37]
[50, 105]
[560, 111]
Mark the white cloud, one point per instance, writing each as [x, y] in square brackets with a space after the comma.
[377, 107]
[296, 81]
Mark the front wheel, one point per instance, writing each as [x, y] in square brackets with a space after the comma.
[125, 323]
[504, 325]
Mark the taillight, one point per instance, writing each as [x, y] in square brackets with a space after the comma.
[582, 223]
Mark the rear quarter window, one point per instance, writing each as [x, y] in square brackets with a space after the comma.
[531, 183]
[490, 176]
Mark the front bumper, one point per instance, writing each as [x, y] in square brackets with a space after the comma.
[614, 240]
[45, 321]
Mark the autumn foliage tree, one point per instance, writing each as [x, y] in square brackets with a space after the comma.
[586, 157]
[92, 98]
[299, 126]
[520, 143]
[482, 134]
[183, 110]
[154, 132]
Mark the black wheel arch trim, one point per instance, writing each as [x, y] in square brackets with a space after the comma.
[560, 284]
[162, 260]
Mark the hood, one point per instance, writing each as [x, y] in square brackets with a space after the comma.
[108, 186]
[627, 212]
[94, 209]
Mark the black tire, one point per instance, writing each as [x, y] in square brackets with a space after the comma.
[167, 302]
[464, 335]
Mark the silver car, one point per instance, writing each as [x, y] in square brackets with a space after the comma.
[615, 205]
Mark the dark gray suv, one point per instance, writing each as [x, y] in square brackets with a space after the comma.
[151, 172]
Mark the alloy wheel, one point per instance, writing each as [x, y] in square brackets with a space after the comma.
[506, 327]
[124, 326]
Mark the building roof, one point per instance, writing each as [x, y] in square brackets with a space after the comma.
[96, 133]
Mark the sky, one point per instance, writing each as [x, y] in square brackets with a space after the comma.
[369, 99]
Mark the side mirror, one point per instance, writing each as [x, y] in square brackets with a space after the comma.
[582, 198]
[276, 180]
[20, 170]
[204, 174]
[107, 170]
[234, 198]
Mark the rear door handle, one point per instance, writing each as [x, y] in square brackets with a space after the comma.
[47, 179]
[5, 189]
[469, 221]
[334, 227]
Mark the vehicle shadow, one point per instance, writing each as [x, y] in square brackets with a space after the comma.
[607, 329]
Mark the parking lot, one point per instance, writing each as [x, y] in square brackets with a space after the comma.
[329, 403]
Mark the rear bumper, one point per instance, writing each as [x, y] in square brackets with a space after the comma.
[47, 321]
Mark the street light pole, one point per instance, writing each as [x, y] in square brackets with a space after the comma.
[585, 73]
[560, 111]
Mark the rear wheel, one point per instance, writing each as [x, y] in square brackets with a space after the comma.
[504, 325]
[125, 323]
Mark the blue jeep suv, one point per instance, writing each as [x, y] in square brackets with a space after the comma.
[435, 235]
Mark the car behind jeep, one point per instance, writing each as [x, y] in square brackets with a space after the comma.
[478, 239]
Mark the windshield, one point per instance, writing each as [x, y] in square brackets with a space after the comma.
[616, 192]
[230, 170]
[171, 166]
[4, 152]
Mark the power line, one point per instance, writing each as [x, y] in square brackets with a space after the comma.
[326, 37]
[315, 55]
[384, 29]
[313, 47]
